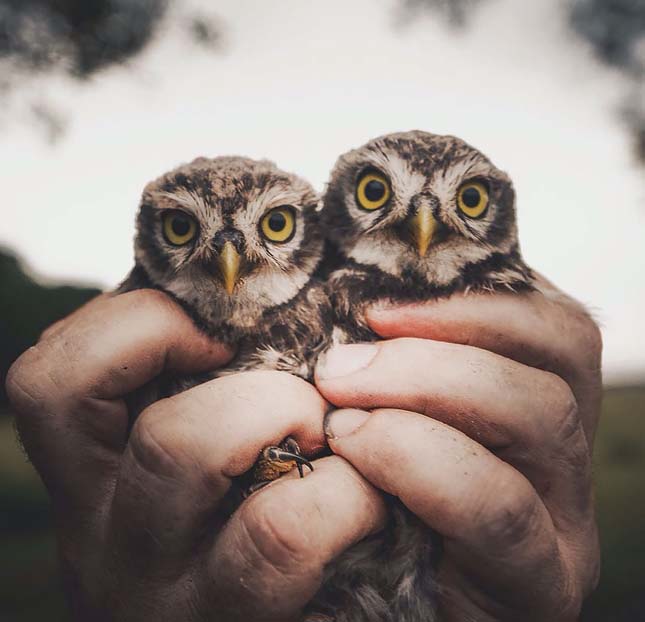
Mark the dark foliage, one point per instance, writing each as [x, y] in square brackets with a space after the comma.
[80, 35]
[204, 31]
[616, 30]
[28, 310]
[456, 12]
[613, 27]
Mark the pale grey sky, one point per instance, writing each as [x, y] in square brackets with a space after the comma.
[300, 84]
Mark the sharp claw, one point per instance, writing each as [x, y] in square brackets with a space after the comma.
[286, 456]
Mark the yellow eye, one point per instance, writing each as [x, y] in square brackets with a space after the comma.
[279, 224]
[178, 228]
[472, 199]
[373, 190]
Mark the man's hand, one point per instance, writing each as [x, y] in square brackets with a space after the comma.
[483, 413]
[142, 527]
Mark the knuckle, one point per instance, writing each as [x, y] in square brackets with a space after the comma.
[263, 377]
[290, 382]
[416, 353]
[564, 411]
[155, 444]
[589, 335]
[16, 381]
[276, 532]
[511, 516]
[594, 340]
[405, 343]
[26, 381]
[570, 601]
[567, 606]
[566, 438]
[581, 572]
[594, 570]
[264, 384]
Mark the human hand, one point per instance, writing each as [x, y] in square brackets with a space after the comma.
[140, 517]
[504, 392]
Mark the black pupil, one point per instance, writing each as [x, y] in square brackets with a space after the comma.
[374, 190]
[471, 197]
[277, 222]
[180, 226]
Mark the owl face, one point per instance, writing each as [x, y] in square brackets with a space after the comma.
[229, 237]
[421, 203]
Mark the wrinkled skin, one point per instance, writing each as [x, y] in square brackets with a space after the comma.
[478, 412]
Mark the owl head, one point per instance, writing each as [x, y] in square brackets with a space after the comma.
[425, 206]
[229, 238]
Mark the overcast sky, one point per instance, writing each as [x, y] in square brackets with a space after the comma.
[300, 86]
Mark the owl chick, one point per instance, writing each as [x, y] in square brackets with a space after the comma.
[237, 242]
[415, 216]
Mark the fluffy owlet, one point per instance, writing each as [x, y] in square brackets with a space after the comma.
[415, 216]
[236, 242]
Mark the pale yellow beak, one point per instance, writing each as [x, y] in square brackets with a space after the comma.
[422, 228]
[229, 265]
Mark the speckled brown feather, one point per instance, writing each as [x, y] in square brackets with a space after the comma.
[390, 577]
[279, 315]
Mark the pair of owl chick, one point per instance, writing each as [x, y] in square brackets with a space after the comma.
[259, 261]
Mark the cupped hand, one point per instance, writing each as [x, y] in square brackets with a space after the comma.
[142, 525]
[479, 413]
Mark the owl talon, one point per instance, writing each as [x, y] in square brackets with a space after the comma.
[275, 461]
[281, 455]
[290, 448]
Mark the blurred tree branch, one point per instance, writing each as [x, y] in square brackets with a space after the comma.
[614, 28]
[82, 37]
[29, 309]
[85, 36]
[456, 12]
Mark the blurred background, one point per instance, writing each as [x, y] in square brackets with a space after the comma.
[97, 97]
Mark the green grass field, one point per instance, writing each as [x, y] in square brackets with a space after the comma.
[29, 585]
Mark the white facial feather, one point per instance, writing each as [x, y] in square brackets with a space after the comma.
[405, 182]
[253, 295]
[441, 265]
[445, 183]
[189, 201]
[259, 204]
[269, 275]
[378, 243]
[379, 250]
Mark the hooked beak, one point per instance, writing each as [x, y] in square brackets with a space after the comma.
[422, 227]
[229, 266]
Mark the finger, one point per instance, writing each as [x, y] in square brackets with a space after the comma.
[492, 520]
[56, 327]
[529, 417]
[67, 390]
[268, 561]
[184, 451]
[542, 329]
[537, 329]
